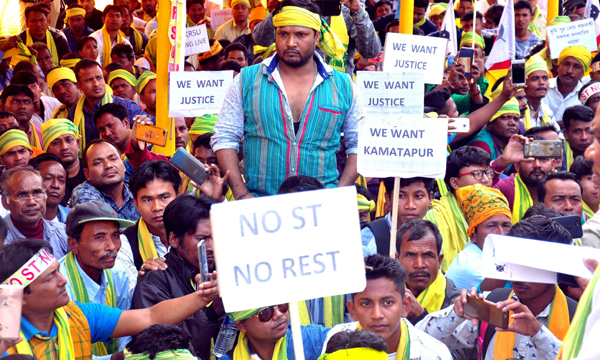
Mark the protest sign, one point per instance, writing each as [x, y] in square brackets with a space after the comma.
[391, 93]
[501, 261]
[402, 147]
[287, 248]
[219, 17]
[196, 40]
[410, 53]
[197, 93]
[580, 32]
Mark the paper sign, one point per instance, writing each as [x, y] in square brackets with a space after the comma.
[196, 93]
[196, 40]
[220, 17]
[402, 147]
[510, 258]
[391, 93]
[411, 53]
[286, 248]
[562, 36]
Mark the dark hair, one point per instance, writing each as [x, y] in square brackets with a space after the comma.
[38, 46]
[25, 65]
[541, 228]
[421, 4]
[7, 114]
[84, 65]
[581, 167]
[575, 17]
[182, 215]
[37, 161]
[463, 157]
[123, 50]
[524, 4]
[3, 231]
[404, 182]
[495, 13]
[112, 67]
[203, 140]
[468, 16]
[14, 90]
[69, 56]
[17, 253]
[540, 210]
[392, 23]
[190, 3]
[363, 191]
[234, 47]
[381, 3]
[116, 110]
[538, 130]
[586, 86]
[231, 65]
[350, 339]
[151, 170]
[75, 6]
[111, 8]
[418, 31]
[577, 112]
[216, 56]
[187, 63]
[577, 5]
[123, 9]
[81, 42]
[299, 183]
[560, 175]
[416, 229]
[436, 99]
[89, 145]
[158, 338]
[378, 266]
[39, 7]
[305, 4]
[23, 78]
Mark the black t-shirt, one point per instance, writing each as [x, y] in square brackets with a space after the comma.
[62, 45]
[95, 20]
[72, 183]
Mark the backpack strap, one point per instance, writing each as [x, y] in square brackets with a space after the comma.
[381, 231]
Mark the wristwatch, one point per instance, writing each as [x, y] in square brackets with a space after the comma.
[475, 92]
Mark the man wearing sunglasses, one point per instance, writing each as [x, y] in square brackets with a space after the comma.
[468, 165]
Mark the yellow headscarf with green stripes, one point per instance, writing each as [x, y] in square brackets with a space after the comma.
[364, 204]
[69, 63]
[54, 128]
[437, 9]
[467, 38]
[535, 63]
[163, 355]
[560, 20]
[204, 124]
[122, 74]
[241, 350]
[12, 138]
[143, 80]
[509, 107]
[581, 53]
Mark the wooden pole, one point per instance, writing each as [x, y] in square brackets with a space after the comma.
[407, 9]
[394, 202]
[296, 330]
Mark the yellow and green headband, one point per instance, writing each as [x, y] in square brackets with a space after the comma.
[356, 354]
[74, 12]
[242, 315]
[560, 20]
[467, 38]
[581, 53]
[264, 52]
[237, 2]
[21, 52]
[13, 138]
[204, 124]
[143, 80]
[58, 74]
[122, 74]
[54, 128]
[215, 49]
[509, 107]
[163, 355]
[438, 9]
[535, 63]
[364, 204]
[69, 63]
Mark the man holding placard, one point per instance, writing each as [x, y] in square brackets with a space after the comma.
[294, 132]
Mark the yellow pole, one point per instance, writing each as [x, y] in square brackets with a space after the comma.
[162, 79]
[407, 9]
[552, 9]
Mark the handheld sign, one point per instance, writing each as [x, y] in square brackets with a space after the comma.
[220, 17]
[391, 93]
[410, 53]
[404, 147]
[197, 93]
[562, 36]
[196, 40]
[286, 248]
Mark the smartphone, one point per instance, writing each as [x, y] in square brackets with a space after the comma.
[151, 134]
[189, 165]
[11, 300]
[571, 223]
[461, 124]
[203, 261]
[329, 7]
[543, 149]
[465, 57]
[518, 72]
[486, 311]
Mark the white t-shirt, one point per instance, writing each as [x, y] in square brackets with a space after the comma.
[98, 36]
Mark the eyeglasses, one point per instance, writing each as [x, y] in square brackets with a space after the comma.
[24, 199]
[478, 174]
[266, 314]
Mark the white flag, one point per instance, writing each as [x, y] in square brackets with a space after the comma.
[504, 46]
[591, 12]
[449, 29]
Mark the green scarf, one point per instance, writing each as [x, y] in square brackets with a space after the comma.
[522, 201]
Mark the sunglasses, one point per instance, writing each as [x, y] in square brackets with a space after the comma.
[266, 314]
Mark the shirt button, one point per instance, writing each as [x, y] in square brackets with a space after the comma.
[293, 169]
[294, 143]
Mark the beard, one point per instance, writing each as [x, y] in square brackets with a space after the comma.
[296, 62]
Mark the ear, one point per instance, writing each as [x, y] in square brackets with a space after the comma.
[6, 202]
[241, 326]
[352, 310]
[454, 183]
[86, 173]
[126, 123]
[173, 240]
[397, 256]
[441, 258]
[73, 245]
[517, 167]
[406, 304]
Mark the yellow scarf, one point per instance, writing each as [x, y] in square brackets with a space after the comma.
[50, 43]
[338, 26]
[333, 311]
[241, 349]
[107, 45]
[65, 348]
[522, 201]
[61, 112]
[79, 118]
[527, 118]
[587, 210]
[403, 351]
[420, 23]
[558, 323]
[532, 26]
[35, 140]
[568, 154]
[146, 244]
[380, 210]
[432, 298]
[138, 40]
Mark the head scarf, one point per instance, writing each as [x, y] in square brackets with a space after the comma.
[356, 354]
[58, 74]
[242, 315]
[588, 90]
[364, 204]
[264, 52]
[12, 138]
[595, 66]
[204, 124]
[69, 63]
[215, 49]
[74, 12]
[54, 128]
[535, 63]
[21, 52]
[479, 203]
[581, 53]
[122, 74]
[437, 9]
[236, 2]
[259, 13]
[509, 107]
[163, 355]
[143, 80]
[467, 38]
[297, 16]
[560, 20]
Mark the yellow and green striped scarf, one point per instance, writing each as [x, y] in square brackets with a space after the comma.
[568, 154]
[522, 201]
[587, 210]
[49, 42]
[146, 244]
[138, 42]
[65, 348]
[163, 355]
[79, 118]
[241, 349]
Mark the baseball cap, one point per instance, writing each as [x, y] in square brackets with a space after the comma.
[92, 211]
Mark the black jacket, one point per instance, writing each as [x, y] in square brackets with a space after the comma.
[157, 286]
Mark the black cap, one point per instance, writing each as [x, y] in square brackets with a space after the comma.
[92, 211]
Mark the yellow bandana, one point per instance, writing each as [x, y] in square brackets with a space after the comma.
[122, 74]
[581, 53]
[49, 42]
[58, 74]
[355, 354]
[69, 63]
[107, 45]
[214, 50]
[12, 138]
[143, 80]
[236, 2]
[479, 203]
[164, 355]
[535, 63]
[509, 107]
[432, 298]
[54, 128]
[74, 12]
[467, 38]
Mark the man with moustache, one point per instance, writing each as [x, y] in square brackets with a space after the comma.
[562, 192]
[63, 84]
[537, 82]
[578, 132]
[54, 176]
[92, 272]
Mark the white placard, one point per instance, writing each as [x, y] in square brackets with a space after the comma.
[196, 40]
[580, 32]
[286, 248]
[220, 17]
[391, 93]
[509, 258]
[196, 93]
[411, 53]
[402, 147]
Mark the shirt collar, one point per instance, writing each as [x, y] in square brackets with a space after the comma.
[91, 286]
[323, 69]
[30, 331]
